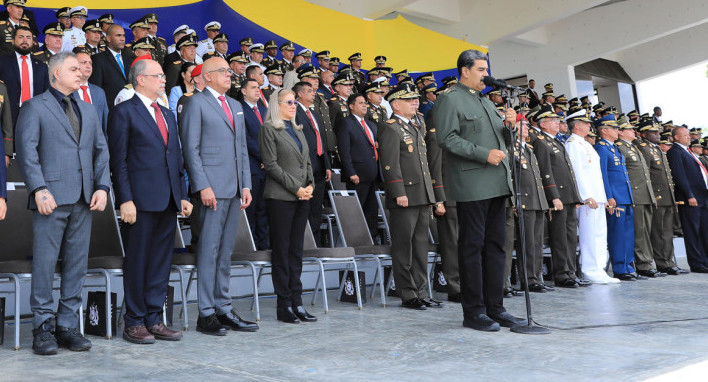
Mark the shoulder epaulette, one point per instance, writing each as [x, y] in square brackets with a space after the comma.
[530, 146]
[38, 53]
[128, 45]
[161, 39]
[643, 144]
[618, 143]
[571, 139]
[3, 22]
[128, 86]
[205, 40]
[540, 136]
[333, 98]
[177, 62]
[390, 121]
[188, 94]
[419, 113]
[602, 143]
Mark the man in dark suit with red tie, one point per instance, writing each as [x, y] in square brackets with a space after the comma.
[111, 67]
[254, 113]
[24, 75]
[691, 191]
[357, 146]
[312, 125]
[148, 180]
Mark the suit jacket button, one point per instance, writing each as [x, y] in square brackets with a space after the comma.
[79, 170]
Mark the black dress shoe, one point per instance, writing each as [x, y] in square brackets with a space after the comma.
[699, 270]
[210, 325]
[482, 322]
[287, 315]
[414, 303]
[509, 293]
[455, 297]
[674, 271]
[430, 303]
[232, 321]
[44, 342]
[626, 277]
[567, 283]
[71, 339]
[548, 287]
[583, 283]
[506, 320]
[303, 315]
[639, 277]
[652, 273]
[537, 288]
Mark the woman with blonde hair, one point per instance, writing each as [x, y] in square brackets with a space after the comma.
[288, 189]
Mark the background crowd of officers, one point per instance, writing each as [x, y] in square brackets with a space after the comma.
[381, 137]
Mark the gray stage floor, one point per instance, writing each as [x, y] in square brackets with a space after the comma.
[647, 329]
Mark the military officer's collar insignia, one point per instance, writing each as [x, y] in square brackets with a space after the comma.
[541, 137]
[390, 121]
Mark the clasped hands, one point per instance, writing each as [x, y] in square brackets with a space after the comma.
[305, 193]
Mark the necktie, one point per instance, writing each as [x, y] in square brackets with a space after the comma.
[86, 95]
[317, 133]
[258, 114]
[227, 111]
[371, 139]
[263, 98]
[26, 91]
[703, 168]
[73, 118]
[120, 63]
[160, 121]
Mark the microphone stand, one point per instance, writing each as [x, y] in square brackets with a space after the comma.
[529, 328]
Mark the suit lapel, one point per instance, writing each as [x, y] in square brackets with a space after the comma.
[288, 138]
[59, 114]
[218, 109]
[145, 115]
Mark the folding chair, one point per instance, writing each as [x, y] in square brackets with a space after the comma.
[245, 255]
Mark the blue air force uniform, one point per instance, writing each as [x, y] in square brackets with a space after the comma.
[620, 224]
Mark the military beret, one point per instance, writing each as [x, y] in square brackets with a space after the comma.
[106, 18]
[197, 70]
[323, 54]
[343, 78]
[248, 41]
[287, 45]
[402, 91]
[92, 26]
[334, 61]
[307, 53]
[256, 48]
[221, 37]
[212, 26]
[431, 88]
[188, 40]
[141, 23]
[374, 87]
[238, 56]
[274, 70]
[78, 11]
[18, 3]
[143, 57]
[380, 59]
[271, 44]
[143, 43]
[425, 77]
[151, 18]
[62, 12]
[55, 28]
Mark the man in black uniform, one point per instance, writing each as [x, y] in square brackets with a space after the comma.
[53, 34]
[186, 52]
[374, 95]
[343, 86]
[159, 43]
[237, 62]
[287, 49]
[92, 31]
[271, 51]
[359, 77]
[275, 80]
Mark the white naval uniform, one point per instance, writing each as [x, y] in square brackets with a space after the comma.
[205, 46]
[171, 48]
[592, 223]
[128, 92]
[72, 38]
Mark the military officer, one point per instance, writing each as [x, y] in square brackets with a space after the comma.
[92, 31]
[275, 80]
[429, 97]
[140, 29]
[310, 75]
[374, 95]
[343, 87]
[359, 77]
[592, 224]
[271, 51]
[245, 44]
[207, 45]
[287, 50]
[643, 196]
[256, 56]
[424, 80]
[323, 59]
[62, 15]
[74, 35]
[562, 194]
[496, 97]
[178, 33]
[661, 233]
[237, 62]
[15, 9]
[409, 194]
[334, 64]
[186, 49]
[221, 47]
[704, 155]
[106, 21]
[618, 189]
[307, 55]
[159, 43]
[695, 133]
[53, 35]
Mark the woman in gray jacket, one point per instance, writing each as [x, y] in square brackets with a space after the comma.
[288, 189]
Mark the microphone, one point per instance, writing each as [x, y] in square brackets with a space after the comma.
[491, 81]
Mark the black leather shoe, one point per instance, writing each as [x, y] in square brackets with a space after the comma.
[509, 293]
[506, 320]
[210, 325]
[44, 342]
[483, 323]
[537, 288]
[287, 315]
[651, 273]
[639, 277]
[548, 288]
[674, 271]
[232, 321]
[583, 283]
[71, 339]
[455, 297]
[302, 314]
[626, 277]
[430, 303]
[699, 270]
[567, 283]
[414, 303]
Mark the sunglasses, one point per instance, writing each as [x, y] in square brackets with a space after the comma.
[291, 102]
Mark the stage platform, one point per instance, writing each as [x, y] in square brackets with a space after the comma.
[628, 332]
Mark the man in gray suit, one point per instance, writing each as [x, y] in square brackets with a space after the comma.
[214, 146]
[52, 129]
[89, 92]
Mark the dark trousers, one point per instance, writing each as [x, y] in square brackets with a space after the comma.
[643, 252]
[315, 217]
[366, 191]
[563, 240]
[256, 213]
[287, 221]
[533, 241]
[508, 242]
[146, 268]
[409, 250]
[662, 236]
[448, 228]
[481, 255]
[694, 221]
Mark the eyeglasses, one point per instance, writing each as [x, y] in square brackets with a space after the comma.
[227, 71]
[158, 76]
[291, 102]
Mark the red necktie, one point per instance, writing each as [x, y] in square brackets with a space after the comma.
[699, 163]
[160, 121]
[258, 114]
[86, 95]
[26, 91]
[227, 111]
[371, 139]
[317, 132]
[263, 98]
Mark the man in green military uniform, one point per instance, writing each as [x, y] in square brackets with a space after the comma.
[374, 95]
[287, 49]
[187, 52]
[643, 198]
[359, 77]
[53, 35]
[275, 80]
[237, 62]
[221, 47]
[343, 86]
[140, 29]
[409, 194]
[478, 177]
[271, 51]
[662, 221]
[158, 42]
[15, 9]
[92, 31]
[334, 64]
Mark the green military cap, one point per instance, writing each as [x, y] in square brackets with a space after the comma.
[544, 113]
[624, 124]
[383, 81]
[402, 73]
[354, 57]
[611, 110]
[274, 70]
[386, 71]
[665, 142]
[560, 105]
[374, 87]
[548, 93]
[256, 48]
[271, 44]
[380, 59]
[645, 126]
[431, 88]
[78, 11]
[494, 92]
[221, 37]
[307, 71]
[287, 45]
[18, 3]
[212, 26]
[62, 12]
[633, 114]
[143, 43]
[55, 28]
[334, 61]
[246, 41]
[668, 124]
[531, 115]
[238, 56]
[187, 40]
[449, 80]
[695, 130]
[561, 99]
[374, 71]
[92, 26]
[82, 49]
[696, 143]
[406, 79]
[645, 115]
[106, 18]
[141, 23]
[323, 54]
[584, 100]
[574, 101]
[548, 87]
[151, 18]
[425, 77]
[578, 115]
[522, 95]
[343, 78]
[598, 108]
[402, 91]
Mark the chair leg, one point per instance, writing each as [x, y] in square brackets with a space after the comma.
[109, 307]
[373, 287]
[324, 286]
[17, 311]
[121, 311]
[184, 299]
[81, 319]
[317, 285]
[382, 288]
[356, 284]
[256, 282]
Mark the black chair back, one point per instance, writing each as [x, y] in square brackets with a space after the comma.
[16, 230]
[244, 239]
[105, 233]
[350, 218]
[309, 238]
[336, 182]
[13, 172]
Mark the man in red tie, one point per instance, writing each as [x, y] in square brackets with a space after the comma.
[148, 179]
[89, 92]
